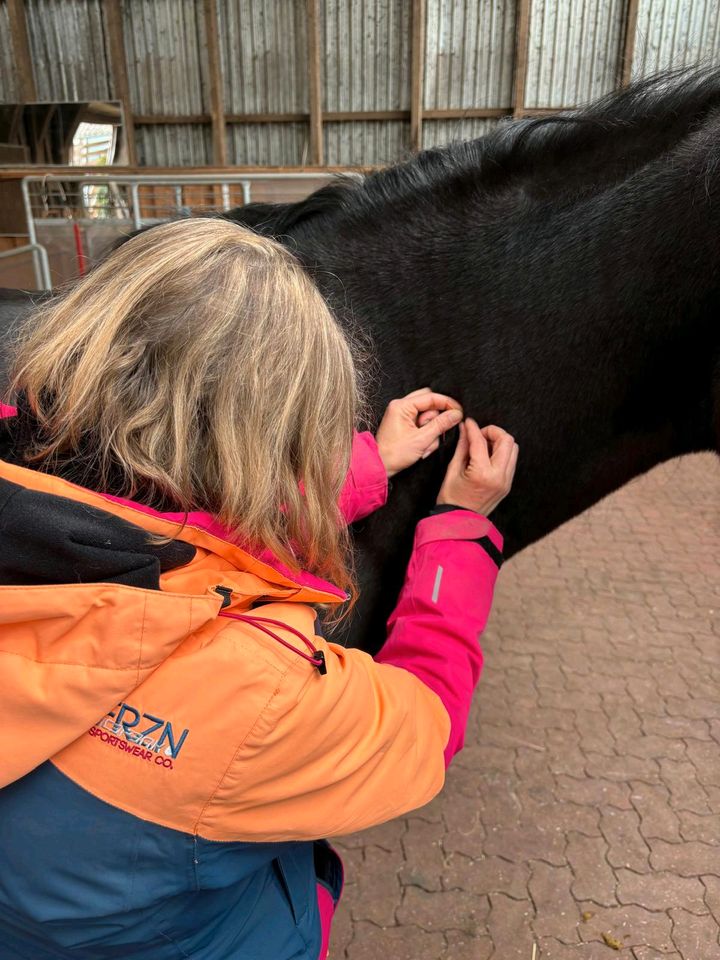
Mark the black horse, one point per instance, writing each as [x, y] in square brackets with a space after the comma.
[560, 277]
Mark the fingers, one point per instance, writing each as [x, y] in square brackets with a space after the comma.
[503, 446]
[427, 416]
[423, 400]
[435, 445]
[459, 458]
[510, 469]
[438, 425]
[478, 451]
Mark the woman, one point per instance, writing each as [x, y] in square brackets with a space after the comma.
[176, 733]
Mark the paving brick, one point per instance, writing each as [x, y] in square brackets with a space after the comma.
[676, 727]
[712, 895]
[593, 878]
[661, 891]
[460, 946]
[521, 841]
[387, 836]
[657, 819]
[651, 746]
[697, 708]
[509, 926]
[401, 943]
[650, 953]
[706, 828]
[631, 925]
[486, 875]
[378, 892]
[566, 817]
[551, 949]
[623, 768]
[685, 791]
[451, 909]
[626, 846]
[343, 930]
[592, 790]
[686, 859]
[557, 914]
[705, 757]
[424, 859]
[696, 938]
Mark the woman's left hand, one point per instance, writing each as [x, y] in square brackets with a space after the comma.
[412, 427]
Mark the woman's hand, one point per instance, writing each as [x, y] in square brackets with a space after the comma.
[481, 472]
[412, 427]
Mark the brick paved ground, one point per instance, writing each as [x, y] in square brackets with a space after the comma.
[586, 804]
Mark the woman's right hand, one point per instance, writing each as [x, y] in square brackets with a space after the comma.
[481, 471]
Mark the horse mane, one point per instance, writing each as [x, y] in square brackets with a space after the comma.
[570, 153]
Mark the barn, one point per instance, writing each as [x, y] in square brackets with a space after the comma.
[582, 819]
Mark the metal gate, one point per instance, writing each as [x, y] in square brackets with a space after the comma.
[73, 220]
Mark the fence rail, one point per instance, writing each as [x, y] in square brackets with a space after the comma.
[87, 204]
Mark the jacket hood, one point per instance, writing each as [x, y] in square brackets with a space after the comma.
[90, 604]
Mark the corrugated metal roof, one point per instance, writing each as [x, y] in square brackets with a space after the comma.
[439, 132]
[268, 144]
[174, 145]
[574, 51]
[675, 34]
[469, 49]
[167, 74]
[263, 54]
[68, 50]
[574, 55]
[165, 48]
[366, 56]
[351, 142]
[8, 86]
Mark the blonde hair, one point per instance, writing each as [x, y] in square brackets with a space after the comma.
[200, 365]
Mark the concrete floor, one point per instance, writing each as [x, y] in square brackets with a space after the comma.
[583, 815]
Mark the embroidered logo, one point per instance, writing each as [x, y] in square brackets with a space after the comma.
[141, 735]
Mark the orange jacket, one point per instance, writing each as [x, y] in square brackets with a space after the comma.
[151, 701]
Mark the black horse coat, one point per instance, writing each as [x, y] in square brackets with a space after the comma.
[559, 277]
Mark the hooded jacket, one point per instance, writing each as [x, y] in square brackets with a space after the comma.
[176, 734]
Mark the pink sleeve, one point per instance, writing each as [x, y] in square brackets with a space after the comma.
[6, 411]
[366, 485]
[435, 629]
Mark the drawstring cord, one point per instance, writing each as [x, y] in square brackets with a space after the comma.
[316, 657]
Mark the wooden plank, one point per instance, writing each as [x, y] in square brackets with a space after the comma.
[631, 16]
[522, 37]
[338, 116]
[417, 73]
[118, 70]
[217, 106]
[462, 113]
[316, 117]
[540, 111]
[147, 120]
[21, 50]
[332, 116]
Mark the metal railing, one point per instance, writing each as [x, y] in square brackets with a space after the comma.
[121, 202]
[41, 263]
